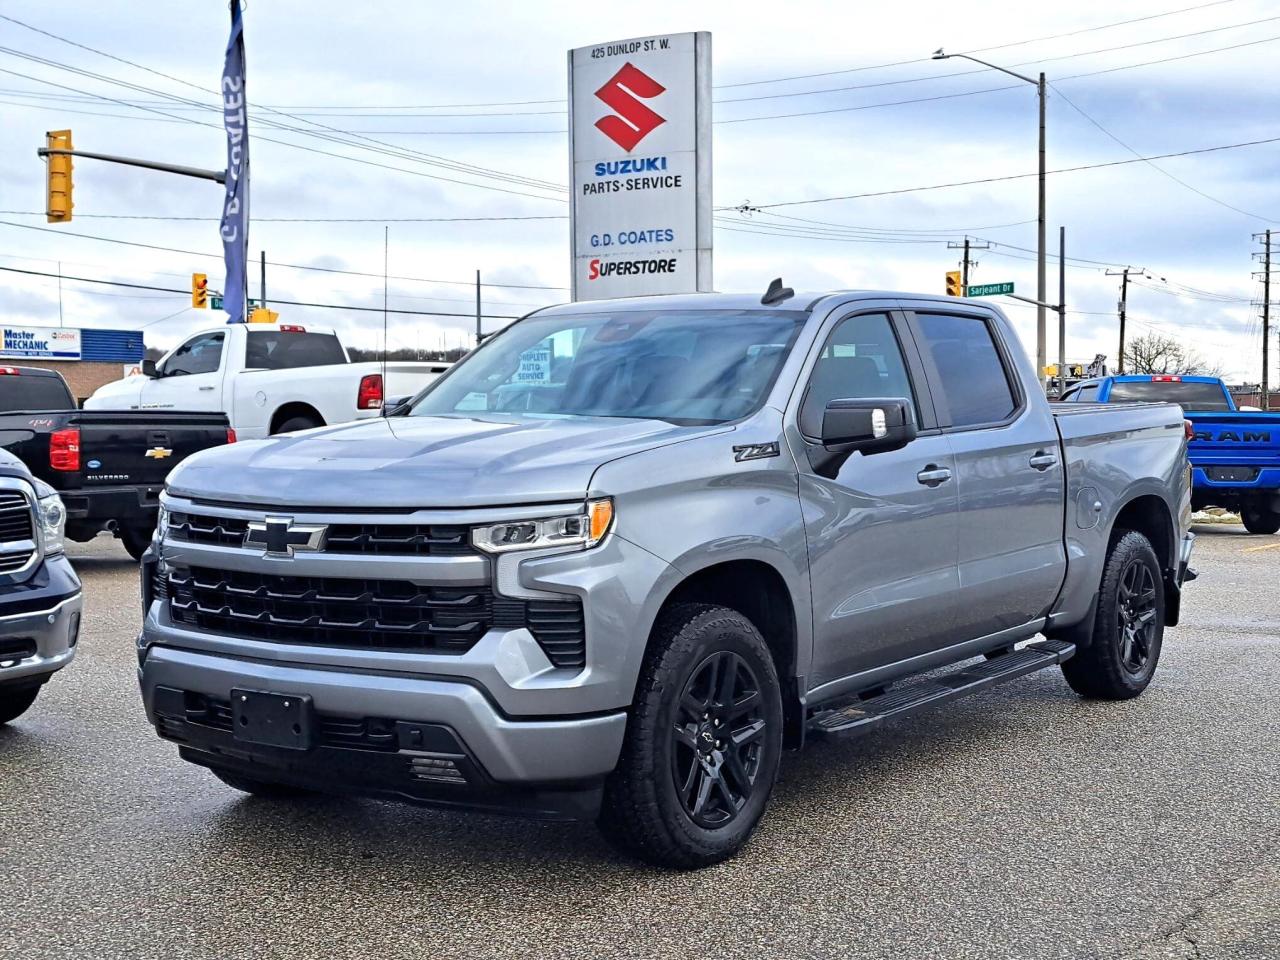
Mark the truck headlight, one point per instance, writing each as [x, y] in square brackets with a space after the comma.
[162, 522]
[584, 529]
[53, 518]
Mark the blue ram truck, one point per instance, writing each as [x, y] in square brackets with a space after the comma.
[1235, 455]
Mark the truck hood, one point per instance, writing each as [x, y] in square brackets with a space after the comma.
[420, 462]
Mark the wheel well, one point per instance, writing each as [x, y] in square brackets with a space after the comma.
[296, 409]
[757, 591]
[1149, 516]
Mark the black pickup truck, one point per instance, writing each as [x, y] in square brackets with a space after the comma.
[108, 466]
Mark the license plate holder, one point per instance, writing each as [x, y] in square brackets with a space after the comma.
[272, 719]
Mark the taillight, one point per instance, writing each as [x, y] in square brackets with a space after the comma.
[64, 449]
[1166, 379]
[1189, 429]
[370, 395]
[231, 435]
[8, 371]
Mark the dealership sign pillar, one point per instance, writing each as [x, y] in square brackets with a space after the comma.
[640, 147]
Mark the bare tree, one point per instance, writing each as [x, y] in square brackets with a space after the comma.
[1156, 353]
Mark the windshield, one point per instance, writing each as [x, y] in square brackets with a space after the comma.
[1191, 396]
[691, 367]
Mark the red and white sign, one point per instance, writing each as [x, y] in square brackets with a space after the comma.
[640, 139]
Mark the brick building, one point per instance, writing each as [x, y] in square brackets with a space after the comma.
[87, 358]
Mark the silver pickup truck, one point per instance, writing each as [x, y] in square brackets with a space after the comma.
[615, 561]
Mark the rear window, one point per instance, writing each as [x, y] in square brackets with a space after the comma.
[33, 393]
[274, 350]
[1191, 396]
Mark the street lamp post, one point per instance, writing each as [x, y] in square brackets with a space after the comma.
[1041, 291]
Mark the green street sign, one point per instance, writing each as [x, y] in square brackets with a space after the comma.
[215, 302]
[988, 289]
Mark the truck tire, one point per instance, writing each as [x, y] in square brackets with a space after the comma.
[136, 540]
[260, 788]
[702, 745]
[1260, 520]
[1128, 629]
[297, 423]
[14, 703]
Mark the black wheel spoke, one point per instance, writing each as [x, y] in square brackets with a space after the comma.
[745, 705]
[686, 737]
[733, 766]
[704, 794]
[686, 788]
[749, 733]
[694, 708]
[727, 680]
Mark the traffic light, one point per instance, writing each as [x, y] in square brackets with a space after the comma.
[954, 288]
[199, 290]
[263, 315]
[57, 205]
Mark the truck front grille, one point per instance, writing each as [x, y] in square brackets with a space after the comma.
[330, 611]
[17, 531]
[386, 539]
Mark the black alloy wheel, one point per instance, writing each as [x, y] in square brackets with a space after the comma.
[718, 739]
[1136, 612]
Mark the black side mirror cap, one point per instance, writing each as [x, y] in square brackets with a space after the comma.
[396, 406]
[149, 368]
[866, 426]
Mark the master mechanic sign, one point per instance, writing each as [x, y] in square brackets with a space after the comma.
[640, 139]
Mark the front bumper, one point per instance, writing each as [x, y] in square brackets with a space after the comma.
[427, 740]
[40, 637]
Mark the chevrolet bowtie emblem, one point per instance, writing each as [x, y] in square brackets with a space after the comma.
[281, 537]
[159, 453]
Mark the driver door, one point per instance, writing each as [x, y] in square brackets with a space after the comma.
[190, 378]
[882, 534]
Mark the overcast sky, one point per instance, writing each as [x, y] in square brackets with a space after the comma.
[397, 73]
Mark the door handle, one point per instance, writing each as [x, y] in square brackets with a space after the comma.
[933, 475]
[204, 388]
[1043, 461]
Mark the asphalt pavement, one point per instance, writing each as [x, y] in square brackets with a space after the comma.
[1023, 823]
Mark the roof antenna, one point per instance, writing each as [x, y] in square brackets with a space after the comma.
[776, 293]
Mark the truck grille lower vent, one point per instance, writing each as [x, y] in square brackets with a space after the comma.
[366, 614]
[385, 539]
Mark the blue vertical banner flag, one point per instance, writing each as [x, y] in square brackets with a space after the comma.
[235, 211]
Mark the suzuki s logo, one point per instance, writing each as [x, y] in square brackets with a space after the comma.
[281, 537]
[158, 453]
[634, 121]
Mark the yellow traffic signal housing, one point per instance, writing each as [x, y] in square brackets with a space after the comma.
[199, 290]
[263, 315]
[1051, 370]
[954, 287]
[58, 202]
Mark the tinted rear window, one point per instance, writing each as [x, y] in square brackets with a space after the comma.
[273, 350]
[33, 393]
[1191, 396]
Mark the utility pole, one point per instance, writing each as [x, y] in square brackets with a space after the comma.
[264, 279]
[1265, 257]
[478, 334]
[967, 245]
[1062, 310]
[1123, 306]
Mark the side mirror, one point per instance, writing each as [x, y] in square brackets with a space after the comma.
[396, 406]
[149, 369]
[868, 426]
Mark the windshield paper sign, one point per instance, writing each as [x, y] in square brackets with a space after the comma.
[48, 343]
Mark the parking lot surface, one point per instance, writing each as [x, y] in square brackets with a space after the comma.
[1021, 823]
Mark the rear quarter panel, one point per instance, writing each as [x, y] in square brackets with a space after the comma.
[1115, 454]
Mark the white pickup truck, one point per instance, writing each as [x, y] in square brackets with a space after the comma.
[268, 378]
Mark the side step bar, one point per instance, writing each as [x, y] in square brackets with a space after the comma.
[864, 715]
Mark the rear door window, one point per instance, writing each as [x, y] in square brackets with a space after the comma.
[972, 379]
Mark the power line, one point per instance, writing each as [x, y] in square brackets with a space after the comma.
[258, 219]
[287, 303]
[290, 266]
[1013, 176]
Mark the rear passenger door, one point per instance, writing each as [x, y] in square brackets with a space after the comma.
[1009, 472]
[881, 533]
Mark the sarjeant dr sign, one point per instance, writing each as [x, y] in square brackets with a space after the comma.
[47, 343]
[640, 142]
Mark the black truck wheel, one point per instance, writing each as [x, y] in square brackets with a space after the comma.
[1128, 629]
[17, 701]
[259, 788]
[136, 540]
[1260, 520]
[299, 422]
[703, 742]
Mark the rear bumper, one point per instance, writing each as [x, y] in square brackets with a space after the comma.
[90, 509]
[426, 740]
[41, 639]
